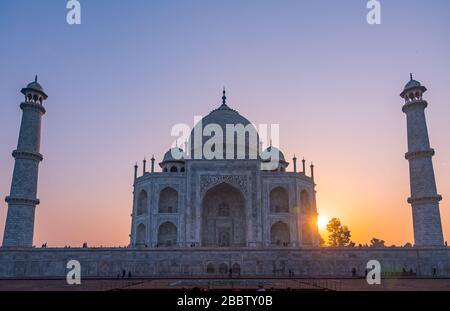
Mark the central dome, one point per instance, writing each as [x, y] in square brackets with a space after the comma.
[212, 129]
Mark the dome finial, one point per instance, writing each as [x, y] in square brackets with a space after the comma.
[410, 75]
[35, 78]
[224, 98]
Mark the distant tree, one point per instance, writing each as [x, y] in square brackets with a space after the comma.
[338, 235]
[377, 243]
[407, 245]
[322, 241]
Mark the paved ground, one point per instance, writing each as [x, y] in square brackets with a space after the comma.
[405, 284]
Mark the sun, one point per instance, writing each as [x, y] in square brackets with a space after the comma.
[322, 221]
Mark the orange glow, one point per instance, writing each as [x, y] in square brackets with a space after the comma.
[322, 221]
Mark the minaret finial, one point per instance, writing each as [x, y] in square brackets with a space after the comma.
[224, 98]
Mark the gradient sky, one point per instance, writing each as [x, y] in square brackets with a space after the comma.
[118, 82]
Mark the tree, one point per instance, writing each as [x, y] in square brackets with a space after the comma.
[321, 241]
[377, 243]
[338, 235]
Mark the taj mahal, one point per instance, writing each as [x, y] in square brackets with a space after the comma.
[197, 216]
[224, 203]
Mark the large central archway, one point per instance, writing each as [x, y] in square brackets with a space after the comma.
[223, 217]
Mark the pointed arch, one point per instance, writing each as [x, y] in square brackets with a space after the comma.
[279, 234]
[168, 201]
[223, 217]
[279, 200]
[141, 234]
[305, 200]
[142, 203]
[167, 234]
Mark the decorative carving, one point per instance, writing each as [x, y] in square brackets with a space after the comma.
[208, 181]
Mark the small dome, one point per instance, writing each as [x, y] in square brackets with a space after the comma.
[411, 84]
[172, 155]
[34, 87]
[267, 153]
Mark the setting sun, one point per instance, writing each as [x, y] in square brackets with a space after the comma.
[322, 221]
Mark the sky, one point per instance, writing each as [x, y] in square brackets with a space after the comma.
[120, 80]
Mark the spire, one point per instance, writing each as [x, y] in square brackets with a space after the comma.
[144, 163]
[153, 163]
[295, 163]
[224, 98]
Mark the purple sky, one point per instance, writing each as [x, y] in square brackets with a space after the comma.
[118, 82]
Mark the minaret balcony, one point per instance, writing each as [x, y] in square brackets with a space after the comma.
[414, 104]
[33, 106]
[423, 200]
[21, 201]
[22, 154]
[419, 154]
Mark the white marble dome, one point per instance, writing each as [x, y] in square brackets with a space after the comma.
[222, 117]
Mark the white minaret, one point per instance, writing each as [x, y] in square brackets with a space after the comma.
[22, 200]
[424, 199]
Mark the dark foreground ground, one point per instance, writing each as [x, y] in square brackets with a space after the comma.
[399, 284]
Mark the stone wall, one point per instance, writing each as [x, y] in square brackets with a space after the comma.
[305, 262]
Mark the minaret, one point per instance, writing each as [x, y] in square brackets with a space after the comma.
[424, 199]
[22, 200]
